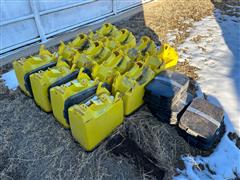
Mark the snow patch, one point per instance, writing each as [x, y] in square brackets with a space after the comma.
[223, 163]
[10, 80]
[217, 54]
[214, 47]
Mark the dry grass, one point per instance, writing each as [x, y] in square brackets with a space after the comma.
[197, 38]
[190, 71]
[159, 139]
[164, 15]
[160, 17]
[34, 146]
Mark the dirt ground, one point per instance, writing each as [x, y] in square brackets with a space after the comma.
[35, 146]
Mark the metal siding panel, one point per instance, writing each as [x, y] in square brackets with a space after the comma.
[18, 32]
[11, 9]
[69, 17]
[46, 5]
[124, 4]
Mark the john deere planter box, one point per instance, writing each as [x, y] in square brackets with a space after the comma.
[96, 53]
[169, 57]
[131, 86]
[93, 119]
[106, 31]
[145, 46]
[117, 62]
[25, 67]
[63, 94]
[43, 81]
[80, 43]
[126, 39]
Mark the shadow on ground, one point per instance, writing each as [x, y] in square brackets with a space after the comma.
[231, 35]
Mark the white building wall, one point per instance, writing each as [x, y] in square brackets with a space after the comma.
[23, 22]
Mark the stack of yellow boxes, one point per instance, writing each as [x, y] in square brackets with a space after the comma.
[94, 80]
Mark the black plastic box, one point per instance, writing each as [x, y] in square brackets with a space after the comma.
[166, 95]
[202, 123]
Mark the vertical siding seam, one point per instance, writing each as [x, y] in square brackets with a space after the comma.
[114, 6]
[38, 20]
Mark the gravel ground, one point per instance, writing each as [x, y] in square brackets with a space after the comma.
[35, 146]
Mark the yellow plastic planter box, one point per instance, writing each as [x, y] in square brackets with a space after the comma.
[25, 67]
[110, 43]
[66, 52]
[97, 52]
[126, 39]
[132, 88]
[154, 62]
[107, 30]
[96, 118]
[166, 58]
[60, 94]
[145, 46]
[117, 62]
[42, 81]
[80, 42]
[169, 56]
